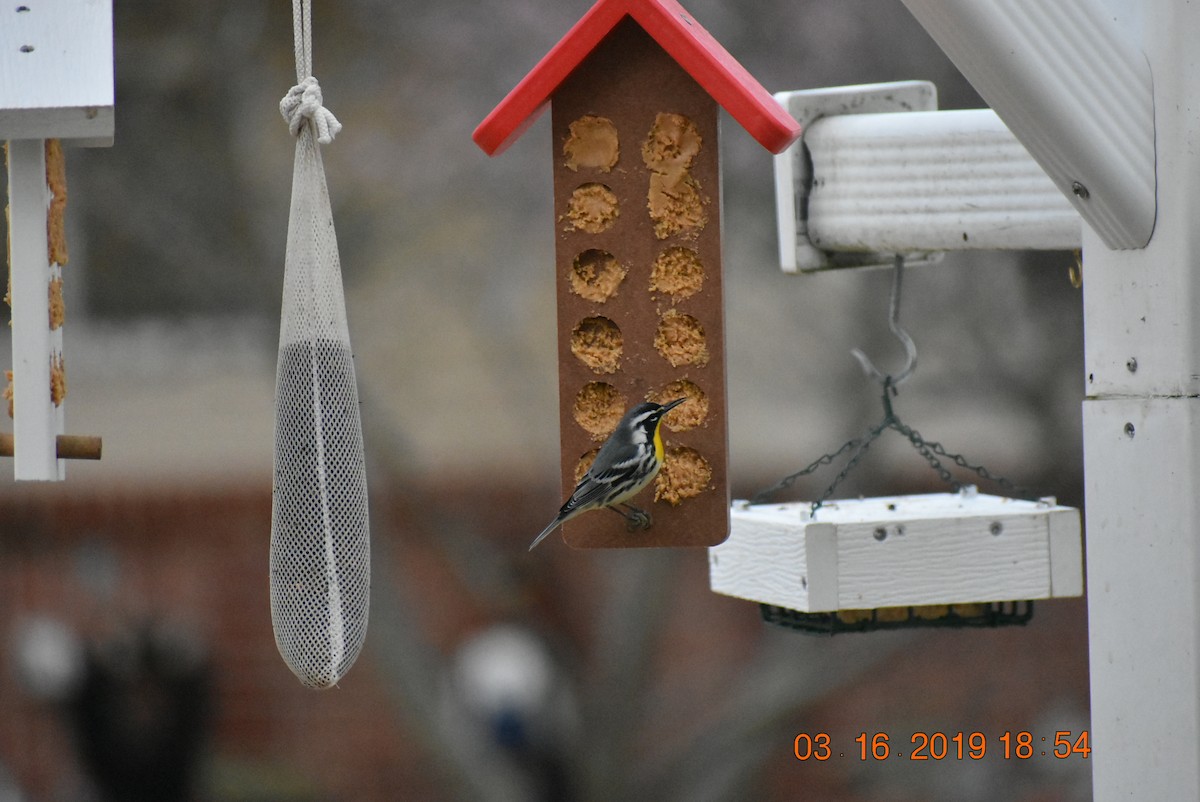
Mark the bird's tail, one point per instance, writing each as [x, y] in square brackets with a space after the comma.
[558, 519]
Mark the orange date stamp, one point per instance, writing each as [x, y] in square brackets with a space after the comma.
[1009, 744]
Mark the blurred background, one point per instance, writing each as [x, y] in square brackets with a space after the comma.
[136, 655]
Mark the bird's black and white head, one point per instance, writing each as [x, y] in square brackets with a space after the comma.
[642, 421]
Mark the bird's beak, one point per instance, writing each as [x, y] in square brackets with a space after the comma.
[670, 406]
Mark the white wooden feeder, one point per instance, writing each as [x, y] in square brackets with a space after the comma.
[900, 551]
[56, 83]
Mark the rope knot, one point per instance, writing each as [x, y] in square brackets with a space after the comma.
[303, 102]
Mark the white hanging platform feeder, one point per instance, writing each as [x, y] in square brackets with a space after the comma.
[56, 82]
[900, 551]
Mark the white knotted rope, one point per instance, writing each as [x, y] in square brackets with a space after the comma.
[302, 103]
[320, 546]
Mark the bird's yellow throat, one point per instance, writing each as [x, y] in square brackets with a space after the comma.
[658, 444]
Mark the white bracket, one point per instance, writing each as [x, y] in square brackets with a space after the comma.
[862, 186]
[1075, 90]
[942, 548]
[793, 166]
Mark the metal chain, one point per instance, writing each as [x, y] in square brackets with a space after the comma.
[930, 450]
[849, 466]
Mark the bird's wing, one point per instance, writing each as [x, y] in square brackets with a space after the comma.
[553, 525]
[596, 485]
[607, 472]
[588, 491]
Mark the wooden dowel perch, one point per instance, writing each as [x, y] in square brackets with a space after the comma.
[67, 446]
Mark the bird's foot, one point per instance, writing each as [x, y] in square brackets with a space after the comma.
[636, 519]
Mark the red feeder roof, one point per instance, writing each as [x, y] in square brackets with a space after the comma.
[676, 32]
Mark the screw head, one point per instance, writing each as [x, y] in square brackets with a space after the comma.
[1131, 365]
[1080, 190]
[880, 533]
[1129, 430]
[996, 528]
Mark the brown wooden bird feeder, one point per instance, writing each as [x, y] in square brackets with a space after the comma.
[634, 88]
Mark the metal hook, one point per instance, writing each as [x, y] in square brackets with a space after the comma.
[910, 348]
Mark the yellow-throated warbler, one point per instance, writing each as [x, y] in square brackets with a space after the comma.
[627, 462]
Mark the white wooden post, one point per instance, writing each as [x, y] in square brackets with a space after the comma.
[1141, 423]
[36, 420]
